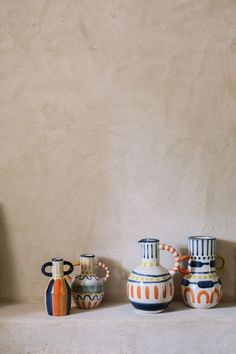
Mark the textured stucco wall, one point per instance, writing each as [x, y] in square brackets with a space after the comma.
[117, 121]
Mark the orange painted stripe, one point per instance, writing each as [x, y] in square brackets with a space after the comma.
[215, 291]
[156, 292]
[171, 290]
[168, 248]
[164, 291]
[163, 246]
[189, 290]
[132, 291]
[89, 305]
[203, 292]
[95, 304]
[57, 298]
[63, 297]
[147, 292]
[139, 292]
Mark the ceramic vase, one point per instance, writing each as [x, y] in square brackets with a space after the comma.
[201, 286]
[150, 286]
[58, 293]
[87, 287]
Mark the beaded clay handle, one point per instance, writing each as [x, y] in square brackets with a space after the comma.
[184, 258]
[175, 254]
[223, 263]
[106, 268]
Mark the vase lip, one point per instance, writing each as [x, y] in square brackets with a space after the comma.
[202, 237]
[57, 259]
[87, 255]
[149, 240]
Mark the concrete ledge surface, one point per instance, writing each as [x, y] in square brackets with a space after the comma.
[117, 328]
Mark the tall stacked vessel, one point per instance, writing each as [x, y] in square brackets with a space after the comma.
[201, 286]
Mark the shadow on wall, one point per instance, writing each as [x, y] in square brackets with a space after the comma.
[227, 249]
[115, 287]
[178, 276]
[8, 287]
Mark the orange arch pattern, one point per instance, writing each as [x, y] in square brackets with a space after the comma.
[203, 292]
[189, 290]
[215, 291]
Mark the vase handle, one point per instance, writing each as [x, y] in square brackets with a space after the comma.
[175, 254]
[184, 258]
[44, 266]
[69, 277]
[223, 263]
[70, 270]
[106, 268]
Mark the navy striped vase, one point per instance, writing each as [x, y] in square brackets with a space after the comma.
[201, 286]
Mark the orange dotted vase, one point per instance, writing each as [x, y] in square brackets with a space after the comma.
[201, 286]
[150, 286]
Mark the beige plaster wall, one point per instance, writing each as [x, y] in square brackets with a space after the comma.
[117, 121]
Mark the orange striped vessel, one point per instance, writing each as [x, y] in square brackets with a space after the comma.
[57, 293]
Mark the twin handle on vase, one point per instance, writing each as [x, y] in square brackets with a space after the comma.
[150, 286]
[86, 287]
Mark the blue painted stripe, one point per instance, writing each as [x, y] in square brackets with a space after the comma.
[147, 282]
[211, 247]
[203, 272]
[192, 245]
[197, 247]
[214, 282]
[68, 302]
[147, 250]
[150, 307]
[49, 297]
[151, 251]
[202, 247]
[150, 275]
[208, 247]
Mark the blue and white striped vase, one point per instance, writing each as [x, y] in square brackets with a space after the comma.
[201, 286]
[150, 286]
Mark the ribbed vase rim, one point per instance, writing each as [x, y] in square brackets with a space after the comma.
[203, 237]
[148, 240]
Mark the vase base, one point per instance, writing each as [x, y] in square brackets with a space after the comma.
[150, 308]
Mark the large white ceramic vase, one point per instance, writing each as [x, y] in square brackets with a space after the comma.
[150, 286]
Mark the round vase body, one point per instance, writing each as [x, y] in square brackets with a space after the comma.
[201, 288]
[150, 286]
[87, 287]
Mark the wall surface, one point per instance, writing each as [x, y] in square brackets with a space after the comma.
[117, 121]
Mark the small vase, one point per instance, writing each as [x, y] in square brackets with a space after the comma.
[58, 293]
[201, 286]
[87, 287]
[150, 286]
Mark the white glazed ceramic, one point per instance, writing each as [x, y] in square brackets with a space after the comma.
[201, 286]
[87, 287]
[150, 286]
